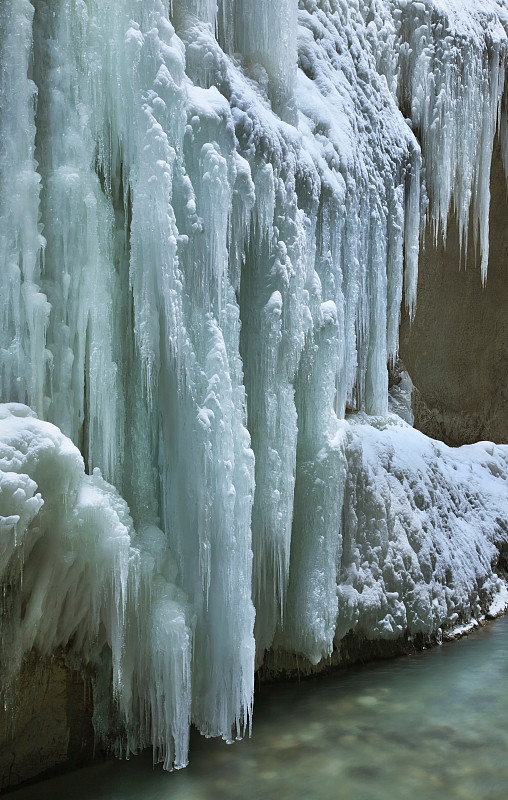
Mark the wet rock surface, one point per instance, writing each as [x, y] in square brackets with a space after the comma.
[49, 726]
[456, 348]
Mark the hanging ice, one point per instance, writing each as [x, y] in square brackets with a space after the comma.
[74, 576]
[210, 213]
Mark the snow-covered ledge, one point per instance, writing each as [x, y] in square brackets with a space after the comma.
[421, 550]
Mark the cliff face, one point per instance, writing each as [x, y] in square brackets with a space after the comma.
[456, 348]
[48, 723]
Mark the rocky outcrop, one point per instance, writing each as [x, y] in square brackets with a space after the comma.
[47, 726]
[456, 349]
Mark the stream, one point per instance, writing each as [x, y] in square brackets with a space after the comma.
[429, 725]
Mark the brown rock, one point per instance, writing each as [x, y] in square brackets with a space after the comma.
[456, 349]
[48, 727]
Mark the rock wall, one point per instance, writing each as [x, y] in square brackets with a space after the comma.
[456, 349]
[50, 727]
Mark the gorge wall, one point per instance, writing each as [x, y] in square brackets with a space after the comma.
[456, 347]
[51, 728]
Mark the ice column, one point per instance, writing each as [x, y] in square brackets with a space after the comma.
[265, 34]
[24, 310]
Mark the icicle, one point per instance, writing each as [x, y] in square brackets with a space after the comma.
[412, 232]
[265, 34]
[451, 74]
[24, 310]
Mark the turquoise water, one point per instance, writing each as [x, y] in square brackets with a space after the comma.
[431, 725]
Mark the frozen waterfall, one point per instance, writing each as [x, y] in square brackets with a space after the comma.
[210, 215]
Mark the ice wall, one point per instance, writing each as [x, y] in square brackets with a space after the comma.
[210, 214]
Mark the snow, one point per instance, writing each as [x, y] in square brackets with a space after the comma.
[435, 513]
[497, 607]
[210, 214]
[500, 601]
[462, 630]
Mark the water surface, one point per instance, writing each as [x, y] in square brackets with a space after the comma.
[431, 725]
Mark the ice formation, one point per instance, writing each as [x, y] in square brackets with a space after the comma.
[75, 575]
[210, 213]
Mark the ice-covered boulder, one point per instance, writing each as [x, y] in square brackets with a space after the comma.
[75, 576]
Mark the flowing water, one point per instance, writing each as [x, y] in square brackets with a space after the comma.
[430, 725]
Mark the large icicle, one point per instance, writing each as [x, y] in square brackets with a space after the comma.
[24, 310]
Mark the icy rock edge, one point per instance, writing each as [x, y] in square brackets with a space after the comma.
[209, 218]
[76, 576]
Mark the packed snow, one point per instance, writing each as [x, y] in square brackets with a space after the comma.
[210, 214]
